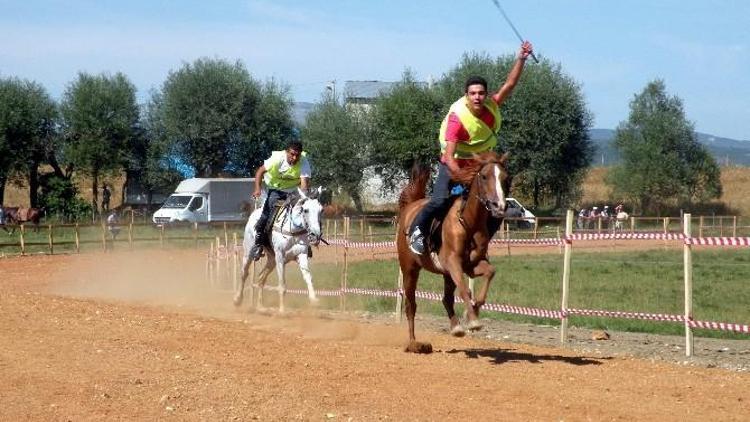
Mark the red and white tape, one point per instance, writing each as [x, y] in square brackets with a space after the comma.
[718, 241]
[627, 236]
[626, 315]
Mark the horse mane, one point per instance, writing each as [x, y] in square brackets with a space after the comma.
[416, 188]
[466, 174]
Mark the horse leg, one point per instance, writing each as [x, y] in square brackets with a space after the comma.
[304, 267]
[456, 273]
[449, 292]
[487, 271]
[410, 306]
[241, 288]
[262, 277]
[281, 274]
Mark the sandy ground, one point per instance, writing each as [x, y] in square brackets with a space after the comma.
[133, 336]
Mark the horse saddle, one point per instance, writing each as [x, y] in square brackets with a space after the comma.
[435, 237]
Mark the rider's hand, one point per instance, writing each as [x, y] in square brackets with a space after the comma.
[525, 51]
[256, 193]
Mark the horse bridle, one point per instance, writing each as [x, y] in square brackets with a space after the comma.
[481, 196]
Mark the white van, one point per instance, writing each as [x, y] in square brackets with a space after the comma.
[203, 200]
[515, 210]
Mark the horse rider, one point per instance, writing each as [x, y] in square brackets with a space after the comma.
[283, 172]
[470, 126]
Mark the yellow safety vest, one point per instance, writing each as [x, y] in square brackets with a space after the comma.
[275, 179]
[481, 137]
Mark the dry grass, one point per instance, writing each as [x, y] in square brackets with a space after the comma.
[18, 195]
[734, 180]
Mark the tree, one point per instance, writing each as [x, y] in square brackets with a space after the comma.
[100, 114]
[336, 141]
[544, 125]
[146, 159]
[27, 126]
[404, 129]
[220, 119]
[662, 161]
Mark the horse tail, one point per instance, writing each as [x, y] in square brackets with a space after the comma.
[416, 188]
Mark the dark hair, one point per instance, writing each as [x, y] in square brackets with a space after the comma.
[475, 80]
[294, 145]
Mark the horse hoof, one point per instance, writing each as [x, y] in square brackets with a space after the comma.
[237, 300]
[475, 325]
[458, 331]
[418, 347]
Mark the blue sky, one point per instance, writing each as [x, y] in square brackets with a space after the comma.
[612, 48]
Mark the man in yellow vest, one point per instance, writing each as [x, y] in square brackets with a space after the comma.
[470, 126]
[282, 174]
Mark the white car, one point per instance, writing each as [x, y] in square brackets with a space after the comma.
[517, 211]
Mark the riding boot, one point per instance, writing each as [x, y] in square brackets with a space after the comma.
[257, 251]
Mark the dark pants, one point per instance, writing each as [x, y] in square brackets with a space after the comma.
[273, 197]
[440, 202]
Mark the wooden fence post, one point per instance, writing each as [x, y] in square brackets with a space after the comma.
[632, 225]
[688, 270]
[130, 233]
[235, 279]
[104, 237]
[226, 235]
[195, 234]
[78, 239]
[161, 236]
[51, 241]
[344, 273]
[336, 244]
[734, 226]
[23, 240]
[700, 226]
[362, 227]
[566, 276]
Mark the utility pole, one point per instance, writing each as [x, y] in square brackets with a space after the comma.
[332, 87]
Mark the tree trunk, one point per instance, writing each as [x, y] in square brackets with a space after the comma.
[2, 189]
[535, 193]
[95, 191]
[357, 199]
[34, 184]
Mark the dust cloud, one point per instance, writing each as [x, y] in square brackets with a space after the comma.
[176, 281]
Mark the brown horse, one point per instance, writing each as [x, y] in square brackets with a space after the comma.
[465, 239]
[15, 216]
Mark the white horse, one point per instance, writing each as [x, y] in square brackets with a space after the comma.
[294, 230]
[620, 220]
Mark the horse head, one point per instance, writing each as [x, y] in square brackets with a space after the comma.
[489, 172]
[309, 210]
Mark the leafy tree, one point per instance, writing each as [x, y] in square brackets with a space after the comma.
[147, 153]
[220, 119]
[336, 141]
[662, 161]
[27, 125]
[404, 129]
[269, 129]
[100, 114]
[544, 124]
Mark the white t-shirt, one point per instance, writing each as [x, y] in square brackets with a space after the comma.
[305, 168]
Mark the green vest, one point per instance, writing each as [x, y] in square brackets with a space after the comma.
[481, 137]
[275, 179]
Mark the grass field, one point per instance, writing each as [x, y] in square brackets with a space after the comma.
[644, 281]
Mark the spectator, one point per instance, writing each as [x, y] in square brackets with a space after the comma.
[106, 194]
[113, 225]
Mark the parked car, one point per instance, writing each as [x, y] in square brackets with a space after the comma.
[524, 218]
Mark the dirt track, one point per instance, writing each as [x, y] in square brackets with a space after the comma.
[141, 337]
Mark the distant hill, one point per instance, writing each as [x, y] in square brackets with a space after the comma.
[726, 151]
